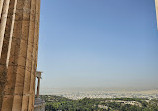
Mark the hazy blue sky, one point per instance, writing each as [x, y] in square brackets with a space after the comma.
[98, 43]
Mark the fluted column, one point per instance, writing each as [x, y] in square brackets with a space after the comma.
[18, 62]
[6, 48]
[38, 87]
[38, 76]
[3, 22]
[1, 6]
[36, 47]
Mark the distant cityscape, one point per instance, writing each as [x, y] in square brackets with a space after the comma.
[80, 93]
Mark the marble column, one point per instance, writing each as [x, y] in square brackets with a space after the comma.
[38, 75]
[18, 49]
[1, 6]
[38, 87]
[3, 22]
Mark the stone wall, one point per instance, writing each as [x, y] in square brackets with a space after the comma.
[19, 33]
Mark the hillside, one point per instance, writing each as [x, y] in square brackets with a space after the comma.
[58, 103]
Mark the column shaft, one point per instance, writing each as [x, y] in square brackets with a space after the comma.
[19, 53]
[38, 87]
[33, 68]
[36, 45]
[1, 6]
[29, 61]
[3, 23]
[6, 50]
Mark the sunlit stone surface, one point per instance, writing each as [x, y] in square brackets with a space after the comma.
[19, 33]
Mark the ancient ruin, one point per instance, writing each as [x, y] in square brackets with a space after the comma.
[39, 103]
[19, 33]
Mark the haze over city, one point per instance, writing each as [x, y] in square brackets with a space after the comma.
[98, 43]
